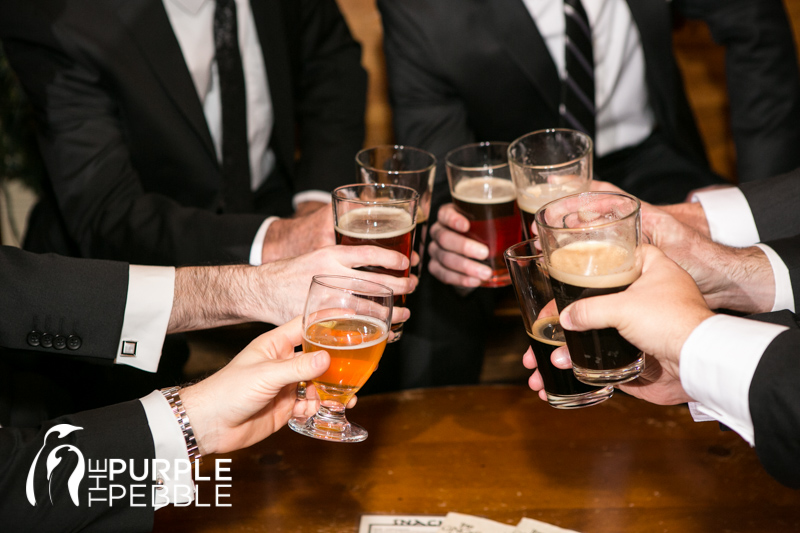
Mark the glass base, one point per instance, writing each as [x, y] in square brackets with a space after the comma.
[611, 376]
[345, 432]
[397, 330]
[500, 280]
[576, 401]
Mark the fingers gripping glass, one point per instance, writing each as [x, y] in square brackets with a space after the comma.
[350, 319]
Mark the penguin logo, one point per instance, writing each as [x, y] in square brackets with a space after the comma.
[53, 461]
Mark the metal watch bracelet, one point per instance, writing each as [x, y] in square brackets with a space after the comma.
[173, 397]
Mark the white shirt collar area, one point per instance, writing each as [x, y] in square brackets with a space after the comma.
[729, 217]
[190, 6]
[718, 361]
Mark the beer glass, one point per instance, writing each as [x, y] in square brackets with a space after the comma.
[403, 165]
[349, 318]
[381, 215]
[482, 191]
[547, 165]
[592, 246]
[540, 316]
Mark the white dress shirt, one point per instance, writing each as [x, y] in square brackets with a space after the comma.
[624, 117]
[193, 24]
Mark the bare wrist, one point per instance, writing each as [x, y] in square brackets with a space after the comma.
[750, 282]
[690, 213]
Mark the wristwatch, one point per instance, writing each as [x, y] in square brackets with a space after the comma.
[174, 399]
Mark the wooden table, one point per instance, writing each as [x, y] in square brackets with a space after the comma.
[500, 452]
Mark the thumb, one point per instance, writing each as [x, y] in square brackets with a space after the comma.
[589, 313]
[304, 367]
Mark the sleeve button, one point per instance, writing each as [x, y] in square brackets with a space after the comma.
[47, 340]
[34, 338]
[74, 342]
[59, 342]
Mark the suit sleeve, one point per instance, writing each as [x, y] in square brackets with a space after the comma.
[774, 399]
[773, 203]
[82, 301]
[330, 99]
[83, 140]
[762, 78]
[427, 110]
[89, 438]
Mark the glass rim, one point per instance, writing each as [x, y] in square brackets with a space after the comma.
[397, 147]
[388, 201]
[528, 257]
[635, 212]
[450, 164]
[519, 140]
[380, 289]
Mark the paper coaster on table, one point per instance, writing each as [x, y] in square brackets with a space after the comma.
[463, 523]
[529, 525]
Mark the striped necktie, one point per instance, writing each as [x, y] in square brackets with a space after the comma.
[237, 194]
[577, 90]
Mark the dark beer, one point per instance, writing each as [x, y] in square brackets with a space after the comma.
[584, 269]
[533, 197]
[546, 336]
[491, 208]
[420, 238]
[387, 227]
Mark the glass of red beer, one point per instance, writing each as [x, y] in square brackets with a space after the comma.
[547, 165]
[348, 318]
[378, 214]
[408, 166]
[482, 191]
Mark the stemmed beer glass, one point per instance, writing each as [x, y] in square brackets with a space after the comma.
[350, 319]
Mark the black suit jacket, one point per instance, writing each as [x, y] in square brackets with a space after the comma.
[116, 432]
[462, 71]
[133, 171]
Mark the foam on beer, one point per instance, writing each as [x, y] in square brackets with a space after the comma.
[484, 190]
[346, 340]
[533, 197]
[594, 264]
[375, 222]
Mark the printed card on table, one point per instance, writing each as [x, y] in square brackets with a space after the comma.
[462, 523]
[400, 524]
[529, 525]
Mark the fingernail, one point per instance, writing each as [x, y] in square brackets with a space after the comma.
[318, 360]
[479, 251]
[560, 359]
[565, 320]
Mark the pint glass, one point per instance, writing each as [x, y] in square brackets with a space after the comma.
[482, 191]
[592, 246]
[379, 215]
[540, 316]
[403, 165]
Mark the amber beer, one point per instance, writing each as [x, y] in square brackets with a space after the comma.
[533, 197]
[376, 225]
[355, 345]
[490, 205]
[613, 268]
[546, 336]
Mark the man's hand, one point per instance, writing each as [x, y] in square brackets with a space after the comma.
[453, 254]
[739, 279]
[290, 237]
[255, 394]
[657, 313]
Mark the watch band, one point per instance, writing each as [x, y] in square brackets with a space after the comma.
[173, 397]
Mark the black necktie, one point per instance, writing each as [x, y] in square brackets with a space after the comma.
[237, 195]
[577, 91]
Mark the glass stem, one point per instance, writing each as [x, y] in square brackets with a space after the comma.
[331, 416]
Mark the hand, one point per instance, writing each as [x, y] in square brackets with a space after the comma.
[731, 278]
[452, 253]
[255, 394]
[657, 313]
[290, 237]
[277, 292]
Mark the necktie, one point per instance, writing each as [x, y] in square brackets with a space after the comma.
[577, 90]
[237, 194]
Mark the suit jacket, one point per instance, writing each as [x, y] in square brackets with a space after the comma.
[61, 317]
[133, 173]
[117, 432]
[462, 71]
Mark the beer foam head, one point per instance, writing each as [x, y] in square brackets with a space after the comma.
[594, 264]
[484, 190]
[375, 221]
[533, 197]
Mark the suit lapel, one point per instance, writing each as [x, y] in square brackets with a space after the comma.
[148, 24]
[653, 18]
[515, 28]
[269, 20]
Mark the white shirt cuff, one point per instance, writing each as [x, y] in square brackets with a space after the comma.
[311, 196]
[730, 220]
[151, 291]
[718, 361]
[170, 447]
[258, 242]
[784, 295]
